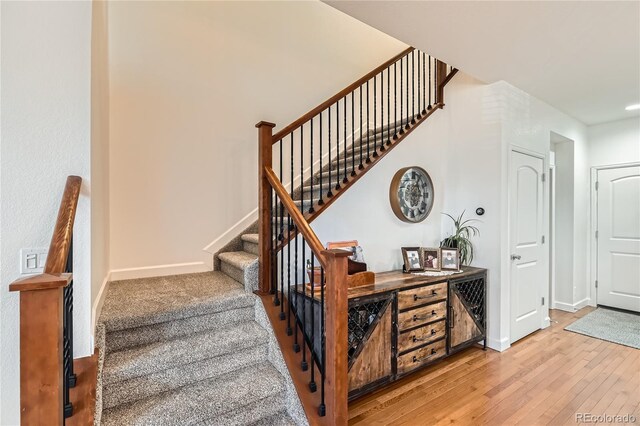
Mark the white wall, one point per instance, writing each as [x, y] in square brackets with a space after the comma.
[46, 101]
[99, 157]
[617, 142]
[188, 82]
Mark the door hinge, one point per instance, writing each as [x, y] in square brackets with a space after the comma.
[596, 283]
[596, 234]
[544, 177]
[543, 301]
[597, 185]
[543, 239]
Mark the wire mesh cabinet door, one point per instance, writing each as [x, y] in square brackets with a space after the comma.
[467, 311]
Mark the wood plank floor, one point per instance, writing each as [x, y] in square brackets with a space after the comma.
[544, 379]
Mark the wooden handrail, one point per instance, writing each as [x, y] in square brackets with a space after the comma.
[42, 373]
[332, 100]
[303, 226]
[62, 233]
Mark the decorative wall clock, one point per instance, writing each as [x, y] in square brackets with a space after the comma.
[411, 194]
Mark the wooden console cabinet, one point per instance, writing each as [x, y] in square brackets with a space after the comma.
[404, 322]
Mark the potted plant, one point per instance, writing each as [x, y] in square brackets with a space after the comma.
[461, 239]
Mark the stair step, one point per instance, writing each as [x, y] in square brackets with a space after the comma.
[144, 335]
[162, 299]
[240, 397]
[250, 243]
[240, 265]
[148, 359]
[278, 419]
[162, 381]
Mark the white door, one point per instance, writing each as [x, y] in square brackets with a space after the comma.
[528, 273]
[618, 238]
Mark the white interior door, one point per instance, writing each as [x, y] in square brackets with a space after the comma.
[528, 273]
[618, 238]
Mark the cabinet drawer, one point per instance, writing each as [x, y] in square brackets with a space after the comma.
[422, 335]
[421, 295]
[419, 357]
[420, 316]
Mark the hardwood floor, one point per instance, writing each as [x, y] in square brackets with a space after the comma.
[545, 378]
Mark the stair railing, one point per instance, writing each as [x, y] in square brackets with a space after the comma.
[304, 168]
[46, 324]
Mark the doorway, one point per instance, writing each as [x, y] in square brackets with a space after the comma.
[617, 236]
[529, 276]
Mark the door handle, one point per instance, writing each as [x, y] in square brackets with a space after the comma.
[516, 257]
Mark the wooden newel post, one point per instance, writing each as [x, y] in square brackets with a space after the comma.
[41, 348]
[265, 216]
[337, 357]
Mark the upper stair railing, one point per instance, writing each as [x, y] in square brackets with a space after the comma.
[305, 167]
[46, 324]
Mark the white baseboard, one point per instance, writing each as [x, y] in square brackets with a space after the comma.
[572, 307]
[498, 345]
[159, 270]
[231, 233]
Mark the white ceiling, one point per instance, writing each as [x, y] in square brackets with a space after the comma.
[582, 57]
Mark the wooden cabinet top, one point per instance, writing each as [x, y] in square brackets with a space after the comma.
[397, 280]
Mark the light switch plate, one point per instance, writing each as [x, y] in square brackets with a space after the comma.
[32, 260]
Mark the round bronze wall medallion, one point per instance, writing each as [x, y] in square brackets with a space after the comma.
[411, 194]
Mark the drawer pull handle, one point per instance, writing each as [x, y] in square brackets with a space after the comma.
[424, 317]
[432, 295]
[416, 359]
[423, 339]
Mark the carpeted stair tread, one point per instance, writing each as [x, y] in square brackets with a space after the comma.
[278, 419]
[251, 238]
[243, 391]
[162, 381]
[146, 301]
[238, 259]
[148, 359]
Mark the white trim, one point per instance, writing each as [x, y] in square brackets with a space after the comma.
[593, 226]
[231, 233]
[568, 307]
[159, 270]
[97, 306]
[498, 345]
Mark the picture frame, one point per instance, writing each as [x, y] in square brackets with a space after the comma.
[412, 257]
[449, 259]
[431, 257]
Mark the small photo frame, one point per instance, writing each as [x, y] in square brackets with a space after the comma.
[431, 258]
[449, 259]
[412, 258]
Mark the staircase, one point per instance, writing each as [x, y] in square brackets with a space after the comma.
[193, 349]
[236, 346]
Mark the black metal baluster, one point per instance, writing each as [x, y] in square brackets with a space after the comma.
[425, 82]
[280, 254]
[344, 159]
[382, 110]
[321, 201]
[296, 291]
[312, 384]
[368, 152]
[389, 105]
[419, 115]
[322, 408]
[304, 365]
[361, 166]
[337, 145]
[289, 301]
[301, 168]
[408, 110]
[413, 87]
[375, 116]
[329, 193]
[395, 101]
[353, 136]
[401, 96]
[430, 106]
[274, 239]
[311, 209]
